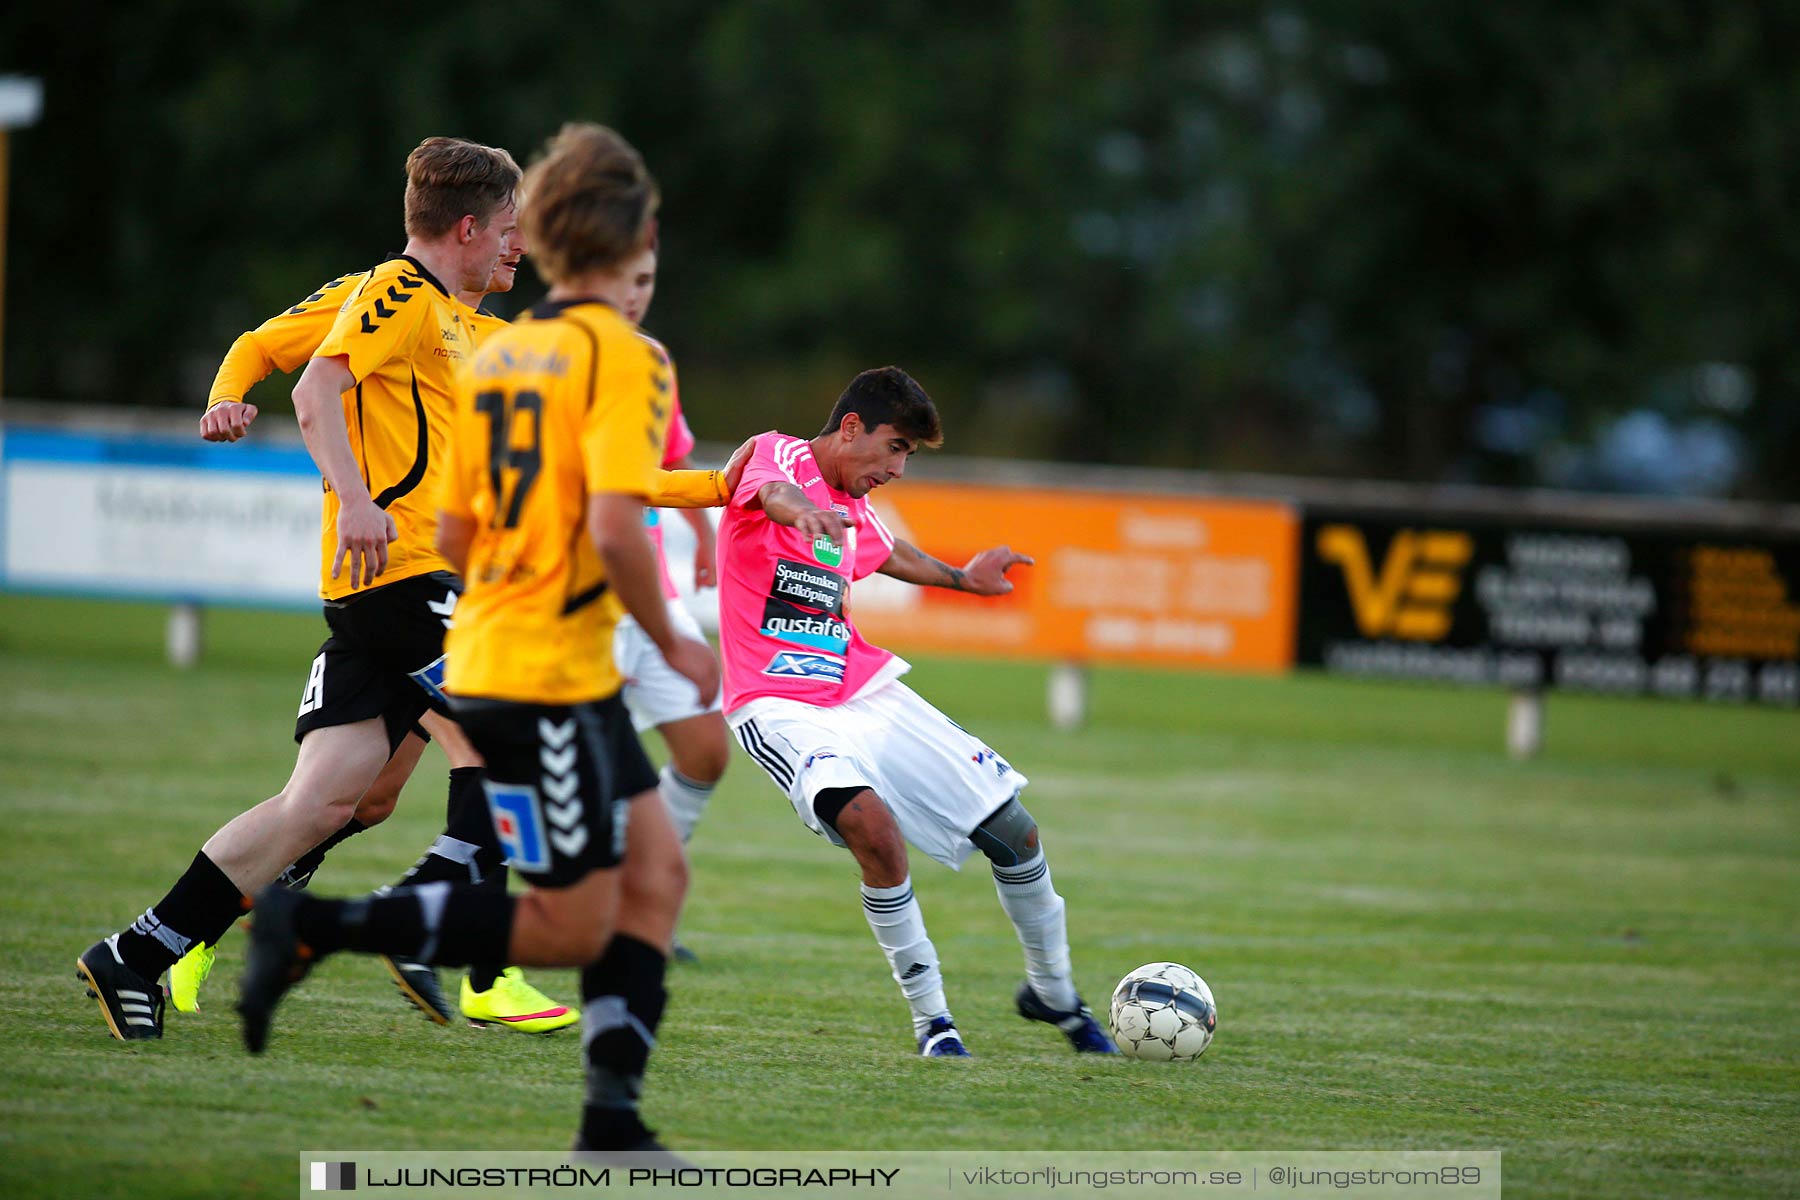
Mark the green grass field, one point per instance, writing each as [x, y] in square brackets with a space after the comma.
[1588, 961]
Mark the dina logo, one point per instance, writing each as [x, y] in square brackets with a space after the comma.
[1419, 580]
[334, 1177]
[827, 551]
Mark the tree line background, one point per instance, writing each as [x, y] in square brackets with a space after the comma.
[1532, 243]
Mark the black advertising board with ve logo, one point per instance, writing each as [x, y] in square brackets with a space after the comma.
[1484, 601]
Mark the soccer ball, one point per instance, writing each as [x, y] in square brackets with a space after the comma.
[1165, 1012]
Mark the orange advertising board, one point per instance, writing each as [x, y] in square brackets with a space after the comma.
[1119, 578]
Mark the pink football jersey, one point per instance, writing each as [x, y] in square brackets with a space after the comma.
[784, 599]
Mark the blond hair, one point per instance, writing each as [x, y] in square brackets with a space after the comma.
[590, 203]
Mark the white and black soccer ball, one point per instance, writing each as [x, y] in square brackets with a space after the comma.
[1163, 1012]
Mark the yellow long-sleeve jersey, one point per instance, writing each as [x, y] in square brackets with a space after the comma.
[566, 403]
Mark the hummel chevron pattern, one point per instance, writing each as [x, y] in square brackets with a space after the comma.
[445, 608]
[561, 786]
[382, 311]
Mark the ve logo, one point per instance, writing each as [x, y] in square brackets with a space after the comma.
[1419, 581]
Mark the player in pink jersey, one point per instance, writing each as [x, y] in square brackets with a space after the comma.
[864, 760]
[659, 696]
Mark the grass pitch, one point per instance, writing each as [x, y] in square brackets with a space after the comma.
[1587, 961]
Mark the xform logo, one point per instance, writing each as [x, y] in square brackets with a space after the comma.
[1419, 581]
[806, 666]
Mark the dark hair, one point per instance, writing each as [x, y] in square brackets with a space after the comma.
[889, 396]
[448, 179]
[590, 203]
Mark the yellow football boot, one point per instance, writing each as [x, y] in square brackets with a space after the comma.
[514, 1004]
[186, 976]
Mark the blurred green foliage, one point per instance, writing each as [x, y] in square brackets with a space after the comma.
[1332, 237]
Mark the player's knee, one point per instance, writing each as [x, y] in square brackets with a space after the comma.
[867, 826]
[704, 762]
[1009, 836]
[656, 882]
[377, 805]
[319, 816]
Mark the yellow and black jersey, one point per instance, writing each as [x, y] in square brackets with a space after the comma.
[284, 342]
[287, 340]
[487, 324]
[566, 403]
[403, 335]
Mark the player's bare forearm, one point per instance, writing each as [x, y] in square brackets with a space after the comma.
[706, 548]
[697, 521]
[363, 530]
[787, 505]
[616, 523]
[983, 575]
[910, 564]
[320, 411]
[454, 534]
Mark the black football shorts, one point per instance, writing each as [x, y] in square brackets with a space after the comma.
[559, 782]
[384, 658]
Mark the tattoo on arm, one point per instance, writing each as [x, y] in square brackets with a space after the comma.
[951, 577]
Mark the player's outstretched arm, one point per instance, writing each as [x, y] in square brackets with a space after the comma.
[788, 505]
[284, 342]
[688, 489]
[701, 489]
[983, 575]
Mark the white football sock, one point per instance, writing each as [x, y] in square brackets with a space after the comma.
[899, 927]
[685, 798]
[1030, 900]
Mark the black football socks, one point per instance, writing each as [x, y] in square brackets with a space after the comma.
[467, 852]
[440, 923]
[622, 1004]
[300, 872]
[199, 908]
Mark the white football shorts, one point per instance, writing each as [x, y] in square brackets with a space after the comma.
[938, 779]
[655, 692]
